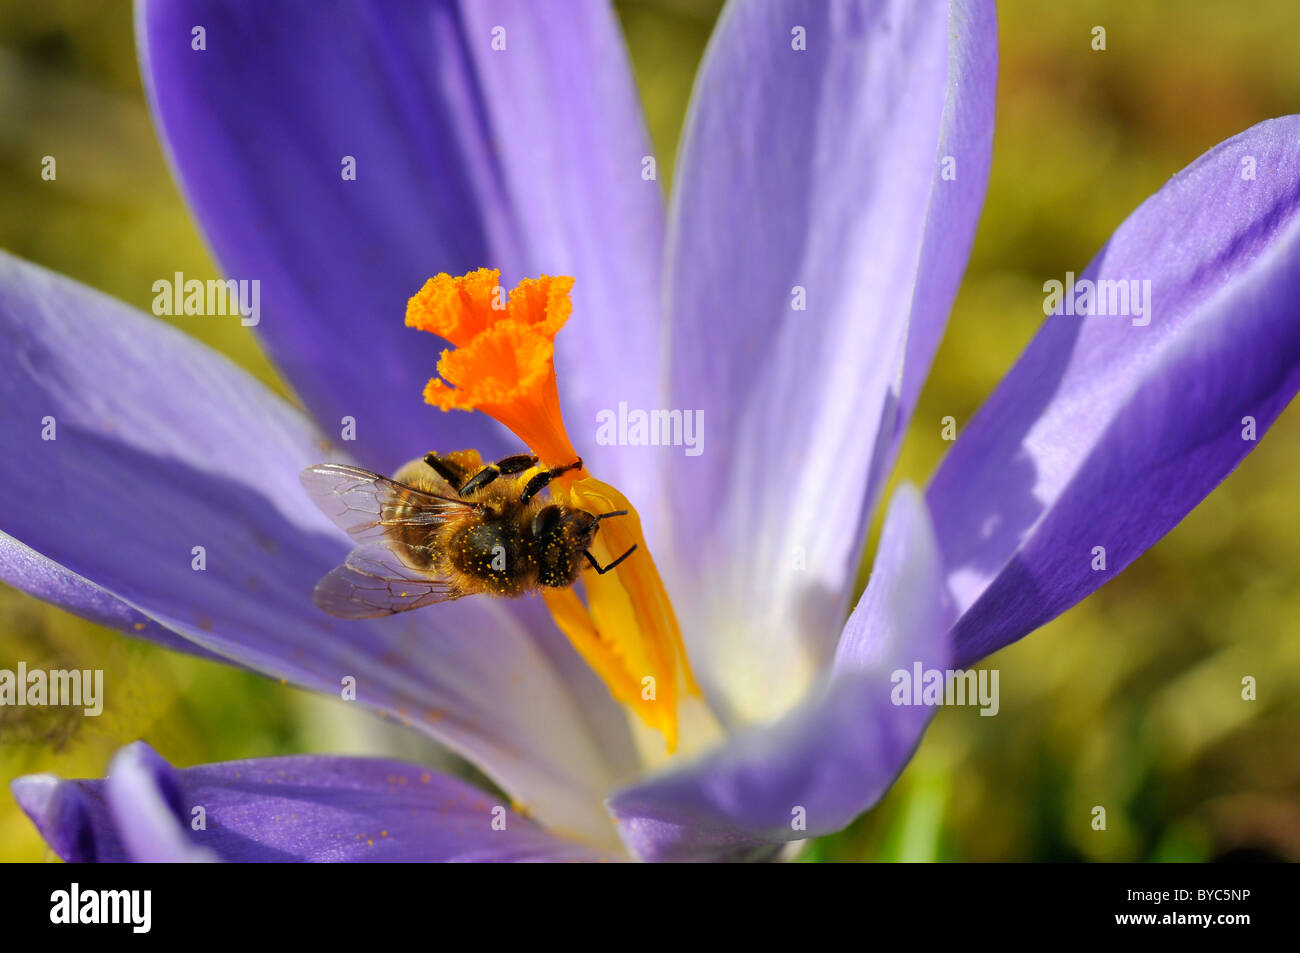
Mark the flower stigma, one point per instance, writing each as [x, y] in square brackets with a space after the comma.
[502, 364]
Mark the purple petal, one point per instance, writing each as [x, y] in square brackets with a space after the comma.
[148, 809]
[161, 446]
[572, 144]
[26, 569]
[821, 170]
[966, 135]
[526, 159]
[1109, 430]
[70, 816]
[301, 808]
[833, 756]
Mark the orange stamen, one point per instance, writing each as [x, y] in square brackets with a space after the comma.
[456, 308]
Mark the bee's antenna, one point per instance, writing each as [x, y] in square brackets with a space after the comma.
[605, 516]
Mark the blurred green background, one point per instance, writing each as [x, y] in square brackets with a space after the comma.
[1130, 701]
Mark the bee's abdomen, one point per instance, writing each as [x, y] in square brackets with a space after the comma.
[417, 539]
[494, 554]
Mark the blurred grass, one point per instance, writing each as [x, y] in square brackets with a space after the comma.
[1130, 701]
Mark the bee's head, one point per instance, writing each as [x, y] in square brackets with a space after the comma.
[561, 535]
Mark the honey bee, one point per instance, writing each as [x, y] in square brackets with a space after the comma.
[443, 528]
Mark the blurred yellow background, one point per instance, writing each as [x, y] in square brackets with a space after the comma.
[1130, 701]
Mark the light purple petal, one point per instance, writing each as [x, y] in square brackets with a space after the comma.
[303, 808]
[832, 757]
[818, 172]
[72, 818]
[572, 145]
[966, 137]
[148, 809]
[27, 570]
[526, 159]
[161, 446]
[1108, 431]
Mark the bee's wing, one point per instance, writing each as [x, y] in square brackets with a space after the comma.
[376, 581]
[366, 504]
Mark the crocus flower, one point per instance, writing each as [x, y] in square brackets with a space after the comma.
[831, 176]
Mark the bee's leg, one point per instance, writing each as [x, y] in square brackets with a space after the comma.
[450, 471]
[538, 482]
[596, 566]
[516, 464]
